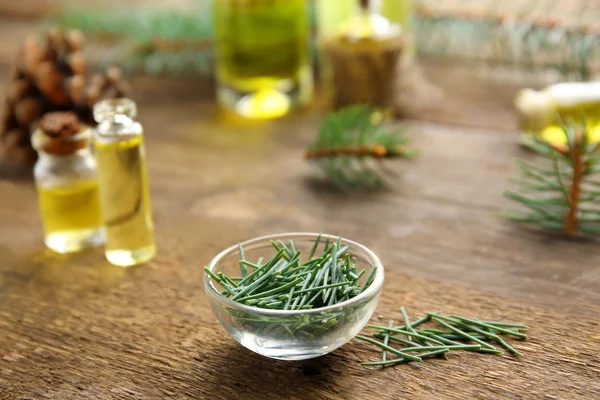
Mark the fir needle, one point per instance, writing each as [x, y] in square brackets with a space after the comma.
[407, 325]
[314, 248]
[403, 360]
[369, 278]
[462, 333]
[395, 339]
[492, 327]
[508, 347]
[332, 285]
[450, 347]
[442, 339]
[401, 331]
[272, 291]
[386, 341]
[388, 348]
[421, 321]
[243, 267]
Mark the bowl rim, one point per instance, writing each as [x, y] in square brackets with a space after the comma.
[375, 286]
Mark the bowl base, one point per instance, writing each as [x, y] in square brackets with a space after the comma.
[284, 350]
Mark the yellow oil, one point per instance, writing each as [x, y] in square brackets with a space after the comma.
[71, 216]
[263, 56]
[546, 120]
[590, 112]
[555, 134]
[125, 201]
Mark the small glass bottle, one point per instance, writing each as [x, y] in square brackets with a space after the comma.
[263, 53]
[67, 184]
[124, 194]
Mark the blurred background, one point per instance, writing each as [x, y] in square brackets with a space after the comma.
[417, 56]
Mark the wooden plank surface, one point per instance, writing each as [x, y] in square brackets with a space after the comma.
[75, 327]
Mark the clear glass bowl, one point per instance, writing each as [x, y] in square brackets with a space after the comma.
[296, 334]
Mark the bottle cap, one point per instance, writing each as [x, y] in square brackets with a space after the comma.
[60, 133]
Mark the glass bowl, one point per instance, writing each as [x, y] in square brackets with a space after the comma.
[293, 334]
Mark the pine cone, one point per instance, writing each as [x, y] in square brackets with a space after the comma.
[51, 75]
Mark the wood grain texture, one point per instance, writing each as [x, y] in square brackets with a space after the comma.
[75, 327]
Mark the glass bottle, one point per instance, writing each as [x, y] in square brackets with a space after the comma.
[363, 56]
[124, 194]
[263, 56]
[542, 112]
[67, 184]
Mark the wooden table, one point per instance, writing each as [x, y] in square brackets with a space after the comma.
[75, 327]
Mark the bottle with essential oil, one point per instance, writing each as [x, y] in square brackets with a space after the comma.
[542, 112]
[361, 58]
[263, 56]
[67, 184]
[124, 194]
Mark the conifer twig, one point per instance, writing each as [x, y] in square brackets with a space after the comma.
[530, 39]
[152, 39]
[348, 140]
[563, 195]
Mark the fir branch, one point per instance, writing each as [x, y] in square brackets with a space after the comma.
[561, 194]
[349, 141]
[174, 41]
[530, 39]
[153, 40]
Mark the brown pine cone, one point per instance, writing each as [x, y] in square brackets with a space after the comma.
[76, 89]
[28, 110]
[55, 43]
[49, 80]
[14, 137]
[76, 61]
[33, 55]
[51, 75]
[106, 86]
[74, 40]
[17, 89]
[16, 147]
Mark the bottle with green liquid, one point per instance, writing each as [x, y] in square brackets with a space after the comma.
[263, 56]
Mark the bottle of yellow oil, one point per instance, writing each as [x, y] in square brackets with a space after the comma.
[361, 59]
[124, 194]
[543, 112]
[263, 56]
[67, 184]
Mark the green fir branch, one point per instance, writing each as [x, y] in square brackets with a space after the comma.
[561, 192]
[531, 39]
[523, 40]
[152, 40]
[349, 145]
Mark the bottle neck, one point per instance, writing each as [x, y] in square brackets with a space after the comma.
[367, 23]
[369, 7]
[118, 125]
[81, 153]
